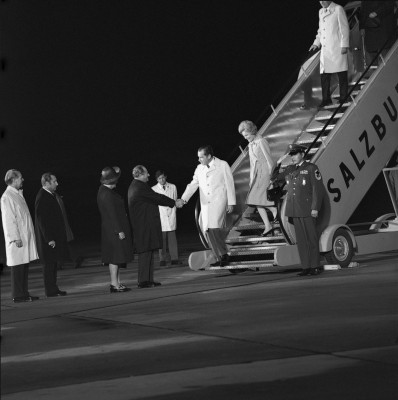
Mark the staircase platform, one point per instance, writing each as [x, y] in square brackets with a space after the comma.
[255, 239]
[255, 265]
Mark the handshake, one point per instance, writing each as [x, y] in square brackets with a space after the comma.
[180, 203]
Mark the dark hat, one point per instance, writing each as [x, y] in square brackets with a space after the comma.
[296, 148]
[110, 175]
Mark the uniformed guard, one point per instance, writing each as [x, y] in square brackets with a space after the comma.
[304, 199]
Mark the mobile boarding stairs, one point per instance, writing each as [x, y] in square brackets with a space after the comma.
[350, 143]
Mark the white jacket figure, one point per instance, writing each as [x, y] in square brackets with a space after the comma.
[17, 225]
[216, 189]
[333, 34]
[168, 216]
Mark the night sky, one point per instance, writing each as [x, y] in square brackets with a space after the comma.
[91, 83]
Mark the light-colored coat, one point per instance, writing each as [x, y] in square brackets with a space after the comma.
[264, 146]
[216, 189]
[168, 216]
[333, 34]
[17, 225]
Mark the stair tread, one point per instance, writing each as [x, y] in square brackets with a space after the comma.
[246, 264]
[335, 105]
[319, 128]
[328, 116]
[248, 239]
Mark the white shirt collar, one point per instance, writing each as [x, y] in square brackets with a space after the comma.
[52, 194]
[13, 189]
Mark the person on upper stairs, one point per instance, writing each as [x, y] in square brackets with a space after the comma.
[377, 24]
[304, 200]
[261, 166]
[333, 40]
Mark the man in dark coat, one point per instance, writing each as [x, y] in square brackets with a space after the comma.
[304, 199]
[378, 26]
[145, 222]
[50, 233]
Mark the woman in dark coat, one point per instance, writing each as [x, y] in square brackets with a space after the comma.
[116, 243]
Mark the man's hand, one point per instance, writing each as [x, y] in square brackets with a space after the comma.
[18, 243]
[122, 235]
[314, 213]
[313, 48]
[52, 243]
[373, 14]
[344, 50]
[230, 209]
[179, 203]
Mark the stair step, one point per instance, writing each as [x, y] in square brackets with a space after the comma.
[319, 128]
[335, 105]
[247, 227]
[358, 83]
[251, 239]
[247, 265]
[322, 118]
[353, 94]
[253, 250]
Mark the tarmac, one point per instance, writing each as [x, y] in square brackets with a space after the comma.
[204, 335]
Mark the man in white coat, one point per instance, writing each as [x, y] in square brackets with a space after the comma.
[19, 236]
[216, 186]
[168, 219]
[333, 39]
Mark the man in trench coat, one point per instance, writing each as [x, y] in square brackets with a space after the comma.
[216, 186]
[19, 236]
[333, 39]
[145, 223]
[50, 233]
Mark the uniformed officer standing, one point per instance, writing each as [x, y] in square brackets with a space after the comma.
[304, 200]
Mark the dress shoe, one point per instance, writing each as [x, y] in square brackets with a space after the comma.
[156, 283]
[216, 264]
[146, 284]
[162, 263]
[58, 294]
[324, 104]
[315, 271]
[22, 299]
[79, 261]
[176, 262]
[121, 288]
[32, 298]
[224, 260]
[304, 272]
[268, 233]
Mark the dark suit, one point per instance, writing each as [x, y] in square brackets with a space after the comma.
[146, 226]
[49, 227]
[304, 193]
[113, 221]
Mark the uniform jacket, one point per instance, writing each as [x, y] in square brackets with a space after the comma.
[304, 189]
[377, 36]
[333, 34]
[114, 220]
[168, 216]
[264, 146]
[144, 215]
[17, 225]
[216, 189]
[50, 226]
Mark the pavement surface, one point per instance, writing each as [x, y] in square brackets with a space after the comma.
[203, 335]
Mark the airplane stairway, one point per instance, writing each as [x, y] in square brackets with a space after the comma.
[326, 133]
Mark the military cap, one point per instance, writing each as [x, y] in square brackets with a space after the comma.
[296, 148]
